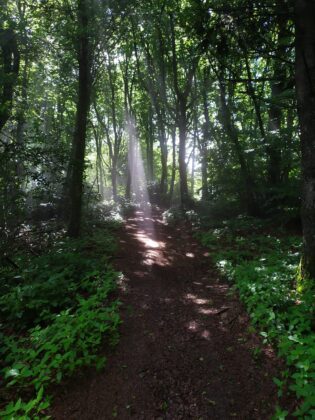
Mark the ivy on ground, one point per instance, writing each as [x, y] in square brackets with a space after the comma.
[263, 268]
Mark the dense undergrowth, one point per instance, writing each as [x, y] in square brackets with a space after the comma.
[56, 309]
[263, 267]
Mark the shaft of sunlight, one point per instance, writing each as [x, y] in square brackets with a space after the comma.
[138, 186]
[139, 190]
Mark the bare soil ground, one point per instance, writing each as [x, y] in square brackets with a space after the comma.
[186, 350]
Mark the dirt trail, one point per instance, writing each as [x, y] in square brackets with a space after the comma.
[185, 350]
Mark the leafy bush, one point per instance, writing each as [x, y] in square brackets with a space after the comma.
[51, 282]
[264, 269]
[173, 215]
[56, 312]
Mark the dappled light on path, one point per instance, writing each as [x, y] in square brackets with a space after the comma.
[147, 241]
[184, 339]
[143, 231]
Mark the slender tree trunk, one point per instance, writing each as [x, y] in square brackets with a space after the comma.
[130, 160]
[287, 157]
[231, 131]
[117, 138]
[79, 138]
[164, 174]
[10, 58]
[305, 89]
[206, 137]
[182, 95]
[172, 184]
[193, 157]
[275, 112]
[204, 174]
[114, 178]
[128, 186]
[275, 115]
[274, 159]
[162, 141]
[149, 144]
[21, 113]
[182, 128]
[99, 165]
[20, 117]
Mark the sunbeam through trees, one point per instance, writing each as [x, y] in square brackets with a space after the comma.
[157, 168]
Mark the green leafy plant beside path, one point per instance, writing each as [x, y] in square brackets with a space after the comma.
[264, 270]
[55, 315]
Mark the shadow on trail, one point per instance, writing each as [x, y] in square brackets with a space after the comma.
[185, 349]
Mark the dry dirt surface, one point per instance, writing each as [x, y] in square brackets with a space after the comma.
[186, 350]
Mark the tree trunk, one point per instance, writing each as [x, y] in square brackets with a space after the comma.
[117, 137]
[276, 143]
[275, 114]
[99, 165]
[114, 178]
[231, 131]
[164, 174]
[203, 150]
[79, 138]
[287, 157]
[182, 94]
[305, 89]
[162, 141]
[204, 175]
[149, 145]
[10, 58]
[272, 149]
[172, 184]
[193, 156]
[182, 127]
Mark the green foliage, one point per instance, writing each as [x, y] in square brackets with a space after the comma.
[51, 282]
[23, 410]
[56, 313]
[264, 268]
[173, 216]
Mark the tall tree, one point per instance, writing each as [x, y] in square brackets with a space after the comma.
[305, 89]
[182, 93]
[82, 110]
[9, 69]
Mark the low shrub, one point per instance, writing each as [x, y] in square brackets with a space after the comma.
[55, 313]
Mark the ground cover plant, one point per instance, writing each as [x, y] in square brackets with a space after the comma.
[56, 311]
[263, 267]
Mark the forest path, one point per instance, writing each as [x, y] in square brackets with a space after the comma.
[185, 349]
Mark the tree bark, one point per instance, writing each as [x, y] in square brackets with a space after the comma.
[117, 134]
[79, 138]
[10, 60]
[182, 166]
[173, 174]
[182, 93]
[305, 89]
[203, 150]
[149, 145]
